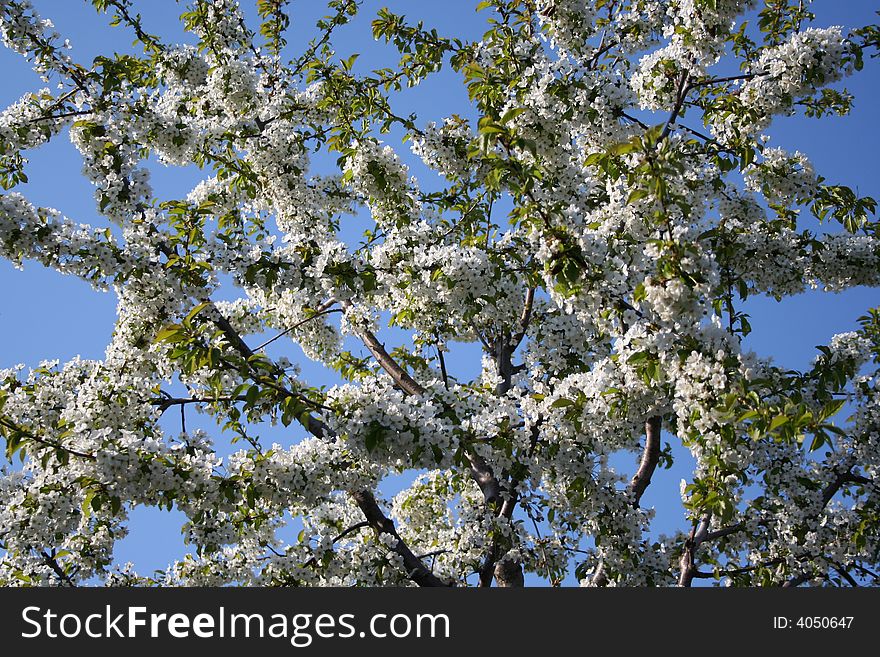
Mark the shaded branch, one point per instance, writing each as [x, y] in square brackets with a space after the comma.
[683, 88]
[509, 574]
[839, 482]
[844, 573]
[443, 374]
[797, 580]
[355, 527]
[166, 403]
[730, 572]
[729, 78]
[726, 531]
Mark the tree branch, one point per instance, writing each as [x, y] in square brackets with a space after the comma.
[689, 570]
[52, 562]
[167, 402]
[730, 78]
[324, 309]
[683, 88]
[481, 472]
[381, 524]
[355, 527]
[726, 531]
[399, 375]
[842, 479]
[650, 457]
[525, 319]
[443, 374]
[11, 426]
[687, 567]
[729, 572]
[312, 424]
[148, 40]
[844, 573]
[509, 574]
[797, 580]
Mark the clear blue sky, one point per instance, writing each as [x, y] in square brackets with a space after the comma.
[44, 315]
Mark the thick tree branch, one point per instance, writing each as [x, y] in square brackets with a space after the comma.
[399, 375]
[509, 574]
[480, 470]
[504, 363]
[230, 333]
[687, 565]
[525, 319]
[839, 482]
[844, 573]
[381, 524]
[650, 457]
[797, 580]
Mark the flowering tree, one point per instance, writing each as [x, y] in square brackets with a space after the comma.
[602, 215]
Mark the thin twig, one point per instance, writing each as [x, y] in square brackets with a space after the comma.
[323, 310]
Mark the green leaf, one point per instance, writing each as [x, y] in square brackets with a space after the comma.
[171, 333]
[87, 503]
[195, 311]
[637, 195]
[511, 114]
[624, 148]
[639, 357]
[777, 422]
[832, 408]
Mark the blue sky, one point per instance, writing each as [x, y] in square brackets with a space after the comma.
[44, 315]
